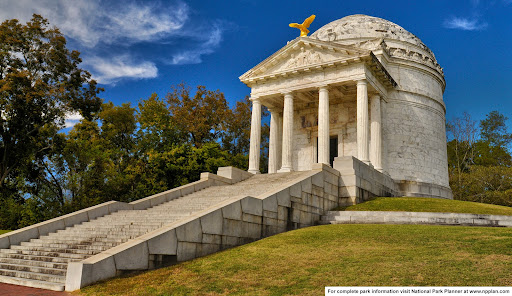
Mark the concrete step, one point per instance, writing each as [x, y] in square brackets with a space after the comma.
[36, 263]
[121, 226]
[122, 220]
[33, 276]
[71, 249]
[91, 232]
[87, 234]
[98, 236]
[80, 240]
[46, 254]
[34, 269]
[41, 258]
[115, 233]
[32, 283]
[49, 251]
[97, 246]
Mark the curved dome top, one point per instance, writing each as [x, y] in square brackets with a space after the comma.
[360, 27]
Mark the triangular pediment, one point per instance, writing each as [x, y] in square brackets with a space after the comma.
[304, 54]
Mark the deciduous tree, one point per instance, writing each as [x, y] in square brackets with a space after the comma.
[201, 116]
[39, 82]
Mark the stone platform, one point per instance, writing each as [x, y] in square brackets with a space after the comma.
[426, 218]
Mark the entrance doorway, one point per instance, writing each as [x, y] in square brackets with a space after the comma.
[333, 149]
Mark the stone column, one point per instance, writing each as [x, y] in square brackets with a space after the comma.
[362, 121]
[273, 144]
[280, 141]
[376, 138]
[254, 148]
[323, 125]
[287, 133]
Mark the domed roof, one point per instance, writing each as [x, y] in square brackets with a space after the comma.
[359, 27]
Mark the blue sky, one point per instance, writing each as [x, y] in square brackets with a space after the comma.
[135, 48]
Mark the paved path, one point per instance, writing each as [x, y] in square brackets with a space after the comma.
[13, 290]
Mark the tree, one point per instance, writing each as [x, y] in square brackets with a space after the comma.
[492, 148]
[463, 134]
[157, 128]
[479, 162]
[493, 129]
[236, 139]
[201, 117]
[39, 82]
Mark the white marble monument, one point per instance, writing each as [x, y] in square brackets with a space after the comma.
[360, 87]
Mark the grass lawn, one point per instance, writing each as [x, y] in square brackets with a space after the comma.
[418, 204]
[304, 261]
[3, 231]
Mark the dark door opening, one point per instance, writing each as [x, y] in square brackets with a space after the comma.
[333, 149]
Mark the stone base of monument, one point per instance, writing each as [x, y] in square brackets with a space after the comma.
[360, 182]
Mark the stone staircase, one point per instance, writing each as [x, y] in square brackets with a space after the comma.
[42, 262]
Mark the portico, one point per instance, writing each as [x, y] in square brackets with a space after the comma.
[318, 93]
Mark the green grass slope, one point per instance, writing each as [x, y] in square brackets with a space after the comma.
[3, 231]
[418, 204]
[304, 261]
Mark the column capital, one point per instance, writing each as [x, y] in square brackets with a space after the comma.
[255, 100]
[274, 109]
[285, 92]
[323, 88]
[375, 97]
[362, 81]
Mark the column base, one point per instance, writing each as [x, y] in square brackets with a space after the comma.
[254, 172]
[285, 170]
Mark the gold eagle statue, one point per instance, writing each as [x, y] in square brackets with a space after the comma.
[304, 26]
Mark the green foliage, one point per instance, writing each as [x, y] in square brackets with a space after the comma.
[480, 164]
[39, 82]
[487, 154]
[157, 128]
[493, 129]
[492, 184]
[202, 116]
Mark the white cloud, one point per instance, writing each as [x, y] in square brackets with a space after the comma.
[193, 56]
[109, 33]
[71, 119]
[466, 24]
[93, 21]
[108, 71]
